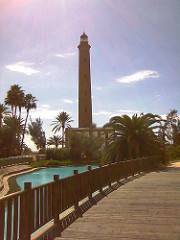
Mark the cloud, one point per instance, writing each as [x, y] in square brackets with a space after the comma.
[69, 101]
[46, 113]
[22, 67]
[105, 113]
[45, 106]
[99, 88]
[65, 55]
[128, 111]
[138, 76]
[116, 113]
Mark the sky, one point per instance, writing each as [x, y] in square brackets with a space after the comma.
[135, 55]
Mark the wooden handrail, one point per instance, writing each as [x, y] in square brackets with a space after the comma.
[24, 213]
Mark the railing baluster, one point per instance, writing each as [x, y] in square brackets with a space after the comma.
[2, 218]
[90, 183]
[9, 219]
[56, 198]
[37, 208]
[41, 207]
[45, 204]
[76, 193]
[25, 212]
[16, 219]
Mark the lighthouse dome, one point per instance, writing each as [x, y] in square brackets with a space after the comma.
[84, 37]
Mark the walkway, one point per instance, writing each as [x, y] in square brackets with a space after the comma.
[7, 172]
[147, 208]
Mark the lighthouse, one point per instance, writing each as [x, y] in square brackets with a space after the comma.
[85, 100]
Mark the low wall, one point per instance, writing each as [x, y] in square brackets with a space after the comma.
[22, 159]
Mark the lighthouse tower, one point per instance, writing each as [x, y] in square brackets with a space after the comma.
[85, 101]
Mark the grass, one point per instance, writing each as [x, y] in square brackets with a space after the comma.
[13, 186]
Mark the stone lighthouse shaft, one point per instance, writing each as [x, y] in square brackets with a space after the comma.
[85, 102]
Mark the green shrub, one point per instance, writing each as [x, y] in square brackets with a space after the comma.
[85, 148]
[50, 163]
[57, 154]
[174, 152]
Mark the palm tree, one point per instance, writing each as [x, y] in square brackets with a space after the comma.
[15, 98]
[3, 112]
[133, 137]
[62, 121]
[176, 133]
[55, 140]
[29, 103]
[171, 124]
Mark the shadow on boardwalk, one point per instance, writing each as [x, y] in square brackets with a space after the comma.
[146, 208]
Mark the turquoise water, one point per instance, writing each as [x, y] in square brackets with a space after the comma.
[45, 175]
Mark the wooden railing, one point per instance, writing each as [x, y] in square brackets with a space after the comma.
[23, 215]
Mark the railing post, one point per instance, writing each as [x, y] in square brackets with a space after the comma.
[100, 181]
[25, 214]
[56, 212]
[139, 166]
[90, 190]
[76, 204]
[109, 174]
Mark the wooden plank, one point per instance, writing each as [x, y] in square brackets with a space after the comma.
[41, 206]
[2, 219]
[22, 212]
[50, 201]
[37, 209]
[15, 220]
[45, 204]
[9, 219]
[145, 208]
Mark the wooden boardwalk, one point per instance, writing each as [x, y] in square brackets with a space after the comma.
[147, 208]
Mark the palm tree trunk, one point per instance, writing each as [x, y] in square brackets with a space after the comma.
[12, 110]
[19, 113]
[15, 111]
[1, 121]
[62, 137]
[24, 130]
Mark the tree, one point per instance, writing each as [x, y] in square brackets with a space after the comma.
[55, 140]
[62, 121]
[171, 125]
[10, 136]
[85, 147]
[133, 137]
[3, 112]
[29, 103]
[176, 133]
[37, 133]
[15, 99]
